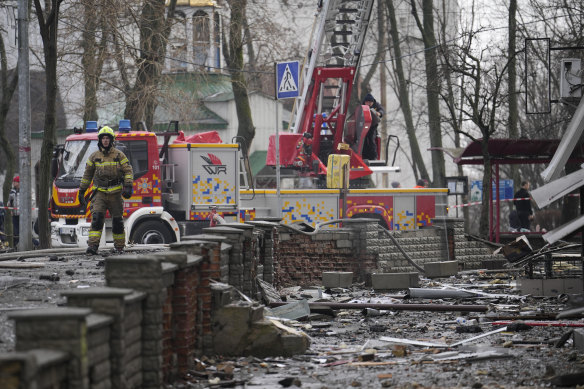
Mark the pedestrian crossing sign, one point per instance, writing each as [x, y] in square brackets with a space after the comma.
[287, 80]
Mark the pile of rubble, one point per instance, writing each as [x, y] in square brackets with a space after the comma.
[473, 329]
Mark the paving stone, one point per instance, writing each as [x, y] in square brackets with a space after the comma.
[337, 279]
[441, 269]
[389, 281]
[579, 339]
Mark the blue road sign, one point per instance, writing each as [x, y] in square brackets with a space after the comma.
[505, 190]
[287, 80]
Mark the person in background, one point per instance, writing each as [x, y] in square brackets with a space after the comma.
[377, 112]
[522, 204]
[514, 223]
[2, 215]
[421, 183]
[14, 203]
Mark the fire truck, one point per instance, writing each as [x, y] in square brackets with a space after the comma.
[182, 185]
[174, 185]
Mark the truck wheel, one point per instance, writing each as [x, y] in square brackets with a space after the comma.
[151, 232]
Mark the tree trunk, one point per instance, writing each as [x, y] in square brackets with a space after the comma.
[454, 117]
[432, 89]
[8, 85]
[233, 53]
[48, 28]
[383, 87]
[365, 87]
[417, 159]
[154, 31]
[487, 191]
[513, 108]
[92, 58]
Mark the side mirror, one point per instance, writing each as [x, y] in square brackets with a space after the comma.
[57, 153]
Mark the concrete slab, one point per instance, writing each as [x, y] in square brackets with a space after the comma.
[389, 281]
[573, 286]
[529, 286]
[550, 287]
[337, 279]
[579, 339]
[553, 287]
[441, 269]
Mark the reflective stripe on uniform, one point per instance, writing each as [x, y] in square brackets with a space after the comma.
[110, 189]
[121, 236]
[89, 162]
[107, 163]
[123, 161]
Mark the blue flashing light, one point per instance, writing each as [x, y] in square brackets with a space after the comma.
[91, 126]
[124, 125]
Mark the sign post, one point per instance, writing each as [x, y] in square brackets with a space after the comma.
[286, 88]
[457, 186]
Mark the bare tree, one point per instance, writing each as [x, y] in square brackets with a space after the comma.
[512, 83]
[154, 31]
[233, 53]
[483, 96]
[48, 19]
[452, 115]
[403, 93]
[94, 44]
[426, 27]
[8, 83]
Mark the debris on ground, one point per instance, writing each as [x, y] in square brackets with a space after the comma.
[363, 338]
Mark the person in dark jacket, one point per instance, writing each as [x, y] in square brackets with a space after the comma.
[377, 112]
[522, 204]
[2, 214]
[14, 203]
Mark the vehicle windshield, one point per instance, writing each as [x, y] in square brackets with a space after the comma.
[74, 157]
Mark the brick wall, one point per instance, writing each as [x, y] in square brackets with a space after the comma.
[470, 254]
[301, 259]
[142, 330]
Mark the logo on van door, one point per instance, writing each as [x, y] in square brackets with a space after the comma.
[214, 164]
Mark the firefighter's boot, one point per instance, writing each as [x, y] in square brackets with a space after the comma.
[91, 250]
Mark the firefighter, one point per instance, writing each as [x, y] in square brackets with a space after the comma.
[370, 145]
[112, 176]
[304, 152]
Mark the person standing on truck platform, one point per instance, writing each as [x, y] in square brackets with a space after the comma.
[112, 177]
[377, 112]
[14, 203]
[523, 206]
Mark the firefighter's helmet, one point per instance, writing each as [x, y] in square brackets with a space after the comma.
[106, 131]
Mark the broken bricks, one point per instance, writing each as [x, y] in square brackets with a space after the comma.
[241, 329]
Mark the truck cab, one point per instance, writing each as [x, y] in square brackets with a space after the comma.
[145, 219]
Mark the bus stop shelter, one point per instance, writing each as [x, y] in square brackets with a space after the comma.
[508, 152]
